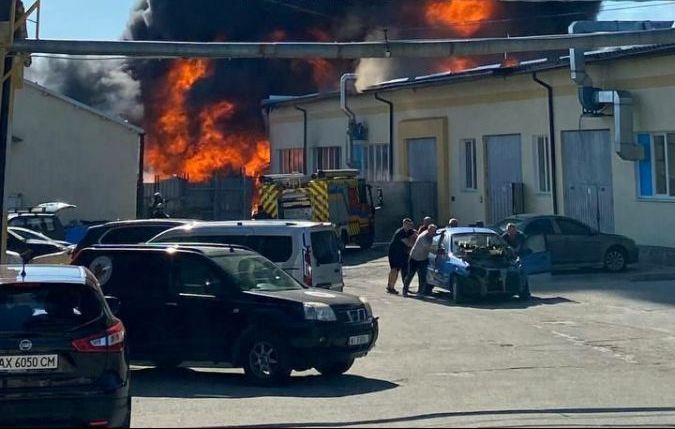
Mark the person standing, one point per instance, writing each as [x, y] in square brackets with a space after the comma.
[399, 247]
[514, 238]
[425, 224]
[419, 261]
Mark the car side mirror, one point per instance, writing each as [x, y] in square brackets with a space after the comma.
[114, 304]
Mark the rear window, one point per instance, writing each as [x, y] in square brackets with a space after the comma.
[47, 308]
[132, 234]
[325, 247]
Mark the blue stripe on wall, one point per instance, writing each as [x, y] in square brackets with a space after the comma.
[645, 166]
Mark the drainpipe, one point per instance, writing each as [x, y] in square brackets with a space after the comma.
[551, 141]
[351, 116]
[305, 169]
[140, 191]
[391, 133]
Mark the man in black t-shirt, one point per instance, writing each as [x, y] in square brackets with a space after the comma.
[399, 248]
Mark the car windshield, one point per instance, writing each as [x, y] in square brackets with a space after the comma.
[253, 272]
[474, 243]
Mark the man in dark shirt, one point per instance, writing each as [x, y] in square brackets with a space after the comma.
[514, 238]
[399, 248]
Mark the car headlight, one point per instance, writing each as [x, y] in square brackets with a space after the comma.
[319, 311]
[369, 309]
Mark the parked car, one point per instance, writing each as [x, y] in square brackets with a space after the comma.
[63, 359]
[126, 231]
[573, 245]
[37, 248]
[475, 262]
[308, 251]
[215, 303]
[42, 218]
[29, 234]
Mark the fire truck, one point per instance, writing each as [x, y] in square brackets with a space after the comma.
[336, 196]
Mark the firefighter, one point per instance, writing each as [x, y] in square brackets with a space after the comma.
[157, 207]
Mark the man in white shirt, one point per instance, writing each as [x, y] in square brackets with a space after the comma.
[419, 261]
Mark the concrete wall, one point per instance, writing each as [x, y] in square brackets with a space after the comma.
[512, 104]
[70, 154]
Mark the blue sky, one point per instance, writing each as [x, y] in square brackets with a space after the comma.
[106, 19]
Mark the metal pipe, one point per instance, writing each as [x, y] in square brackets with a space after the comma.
[140, 187]
[305, 169]
[344, 50]
[347, 77]
[551, 141]
[391, 133]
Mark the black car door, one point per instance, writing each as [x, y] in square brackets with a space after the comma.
[206, 314]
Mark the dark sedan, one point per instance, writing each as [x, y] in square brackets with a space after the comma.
[573, 244]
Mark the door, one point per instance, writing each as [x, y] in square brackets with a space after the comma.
[538, 257]
[423, 176]
[327, 267]
[438, 264]
[587, 175]
[503, 168]
[201, 311]
[579, 244]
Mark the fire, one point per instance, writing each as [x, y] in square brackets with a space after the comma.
[195, 141]
[456, 64]
[463, 16]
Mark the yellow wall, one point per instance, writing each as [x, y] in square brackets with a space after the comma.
[514, 105]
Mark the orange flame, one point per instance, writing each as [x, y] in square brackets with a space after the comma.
[456, 64]
[463, 16]
[197, 144]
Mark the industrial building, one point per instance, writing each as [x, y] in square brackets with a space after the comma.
[496, 140]
[63, 150]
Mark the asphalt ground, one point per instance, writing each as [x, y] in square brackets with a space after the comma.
[589, 349]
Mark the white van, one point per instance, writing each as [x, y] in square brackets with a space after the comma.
[308, 251]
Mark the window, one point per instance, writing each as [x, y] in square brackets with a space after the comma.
[539, 227]
[663, 161]
[542, 157]
[196, 276]
[291, 161]
[470, 174]
[325, 247]
[376, 163]
[276, 248]
[327, 158]
[570, 227]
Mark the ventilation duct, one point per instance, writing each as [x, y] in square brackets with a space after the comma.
[594, 100]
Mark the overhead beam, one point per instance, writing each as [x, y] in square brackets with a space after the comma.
[344, 50]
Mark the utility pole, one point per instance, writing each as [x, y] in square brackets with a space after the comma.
[7, 14]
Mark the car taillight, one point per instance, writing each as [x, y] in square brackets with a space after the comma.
[307, 268]
[112, 340]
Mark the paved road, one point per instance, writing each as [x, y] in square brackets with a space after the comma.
[589, 349]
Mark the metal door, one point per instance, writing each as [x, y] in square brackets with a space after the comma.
[503, 167]
[587, 175]
[423, 176]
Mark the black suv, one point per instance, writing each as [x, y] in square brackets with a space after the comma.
[127, 231]
[62, 352]
[227, 304]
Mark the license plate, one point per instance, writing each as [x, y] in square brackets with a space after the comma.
[359, 340]
[28, 363]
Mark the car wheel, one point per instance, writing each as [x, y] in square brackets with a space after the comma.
[456, 289]
[334, 369]
[525, 294]
[266, 361]
[615, 259]
[366, 241]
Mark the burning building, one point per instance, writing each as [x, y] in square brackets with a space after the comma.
[203, 116]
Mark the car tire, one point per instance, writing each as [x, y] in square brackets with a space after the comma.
[456, 291]
[615, 259]
[525, 294]
[266, 360]
[334, 369]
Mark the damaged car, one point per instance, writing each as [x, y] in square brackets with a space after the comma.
[477, 262]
